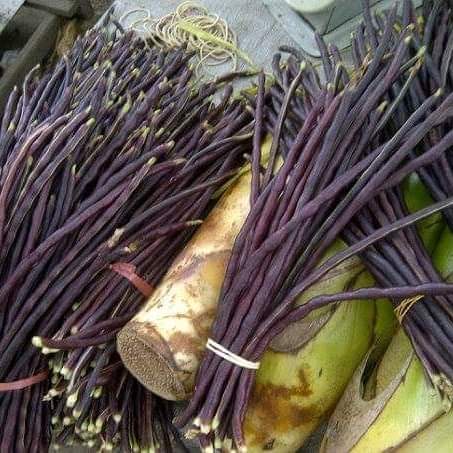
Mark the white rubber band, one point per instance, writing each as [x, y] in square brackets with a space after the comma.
[127, 14]
[218, 349]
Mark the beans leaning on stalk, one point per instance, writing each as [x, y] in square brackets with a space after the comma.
[438, 39]
[402, 259]
[332, 169]
[108, 163]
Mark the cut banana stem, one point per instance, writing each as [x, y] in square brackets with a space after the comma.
[163, 345]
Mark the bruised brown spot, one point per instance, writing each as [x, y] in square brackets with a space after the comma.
[275, 410]
[269, 445]
[191, 289]
[304, 387]
[203, 323]
[181, 342]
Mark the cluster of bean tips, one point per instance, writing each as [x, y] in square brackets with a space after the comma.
[437, 38]
[433, 35]
[108, 162]
[342, 156]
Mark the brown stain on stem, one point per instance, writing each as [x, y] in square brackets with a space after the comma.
[187, 344]
[275, 410]
[203, 323]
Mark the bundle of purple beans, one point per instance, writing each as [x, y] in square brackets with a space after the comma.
[339, 163]
[108, 162]
[437, 38]
[402, 259]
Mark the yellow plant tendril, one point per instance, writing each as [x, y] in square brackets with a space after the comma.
[194, 26]
[404, 307]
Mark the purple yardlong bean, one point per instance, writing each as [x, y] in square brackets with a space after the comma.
[446, 60]
[7, 114]
[63, 202]
[33, 190]
[8, 177]
[37, 220]
[73, 343]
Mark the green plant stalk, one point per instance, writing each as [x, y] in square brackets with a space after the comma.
[404, 411]
[417, 197]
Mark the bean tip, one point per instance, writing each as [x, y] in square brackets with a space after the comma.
[422, 50]
[382, 106]
[66, 372]
[45, 350]
[208, 449]
[439, 92]
[115, 237]
[72, 399]
[36, 342]
[67, 421]
[97, 393]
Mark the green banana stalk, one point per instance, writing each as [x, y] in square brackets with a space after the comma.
[399, 410]
[417, 197]
[300, 380]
